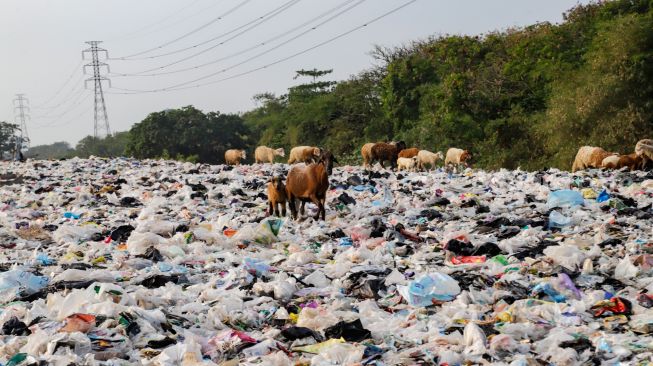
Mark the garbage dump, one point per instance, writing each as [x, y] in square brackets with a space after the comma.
[127, 262]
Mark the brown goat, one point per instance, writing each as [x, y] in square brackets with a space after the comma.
[457, 157]
[366, 152]
[589, 157]
[309, 183]
[632, 161]
[233, 156]
[382, 152]
[303, 154]
[264, 154]
[644, 149]
[409, 153]
[277, 196]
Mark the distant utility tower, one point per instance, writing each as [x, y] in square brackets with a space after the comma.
[21, 115]
[101, 119]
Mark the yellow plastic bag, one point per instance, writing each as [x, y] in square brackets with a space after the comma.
[589, 193]
[318, 347]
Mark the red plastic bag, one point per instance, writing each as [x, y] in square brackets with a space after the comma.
[616, 306]
[468, 259]
[79, 323]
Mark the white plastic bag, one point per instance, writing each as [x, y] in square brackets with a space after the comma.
[625, 270]
[474, 340]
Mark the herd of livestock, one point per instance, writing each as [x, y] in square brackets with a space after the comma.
[395, 153]
[596, 157]
[309, 182]
[413, 159]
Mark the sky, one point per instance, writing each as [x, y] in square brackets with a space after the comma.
[215, 49]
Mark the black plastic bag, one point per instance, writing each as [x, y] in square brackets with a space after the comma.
[351, 332]
[15, 327]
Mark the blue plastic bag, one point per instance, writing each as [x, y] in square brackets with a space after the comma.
[556, 219]
[71, 215]
[22, 281]
[565, 197]
[603, 196]
[362, 188]
[256, 266]
[388, 198]
[44, 260]
[548, 290]
[345, 241]
[429, 289]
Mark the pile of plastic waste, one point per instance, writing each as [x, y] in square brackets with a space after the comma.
[121, 262]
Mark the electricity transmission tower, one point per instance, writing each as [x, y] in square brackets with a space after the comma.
[101, 119]
[21, 115]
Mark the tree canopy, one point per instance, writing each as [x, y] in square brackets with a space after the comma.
[8, 139]
[187, 134]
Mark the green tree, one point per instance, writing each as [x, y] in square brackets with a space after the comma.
[7, 139]
[57, 150]
[312, 89]
[607, 102]
[187, 134]
[110, 146]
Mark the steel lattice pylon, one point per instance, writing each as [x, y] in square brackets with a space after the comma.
[101, 125]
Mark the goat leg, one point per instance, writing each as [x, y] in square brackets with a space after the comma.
[293, 207]
[318, 203]
[644, 160]
[322, 208]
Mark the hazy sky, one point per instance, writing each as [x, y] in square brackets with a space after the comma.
[41, 43]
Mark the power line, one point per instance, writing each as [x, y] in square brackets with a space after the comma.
[214, 20]
[71, 119]
[178, 21]
[261, 44]
[182, 86]
[72, 74]
[258, 55]
[76, 105]
[84, 111]
[160, 21]
[259, 20]
[71, 93]
[72, 102]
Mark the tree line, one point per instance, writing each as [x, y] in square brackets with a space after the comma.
[523, 97]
